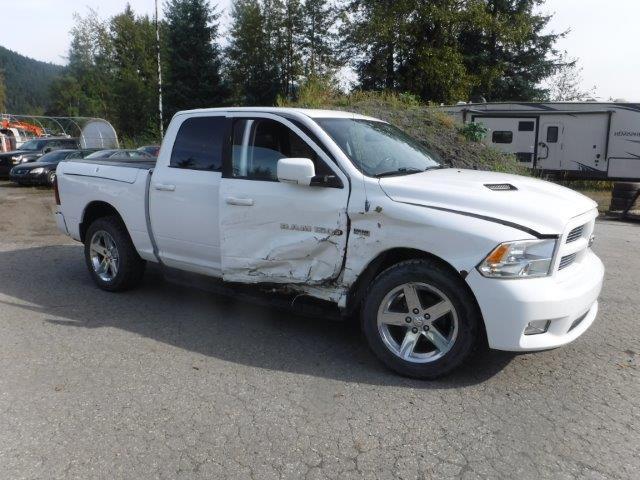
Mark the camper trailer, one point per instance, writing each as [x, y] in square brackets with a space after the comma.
[572, 140]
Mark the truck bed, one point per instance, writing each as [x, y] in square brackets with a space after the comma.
[122, 184]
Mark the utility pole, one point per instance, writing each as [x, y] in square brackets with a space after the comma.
[159, 74]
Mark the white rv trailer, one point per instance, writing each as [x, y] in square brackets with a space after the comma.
[574, 140]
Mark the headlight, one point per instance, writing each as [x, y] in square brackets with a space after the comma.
[16, 159]
[522, 259]
[37, 171]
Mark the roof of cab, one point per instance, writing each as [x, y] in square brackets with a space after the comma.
[308, 112]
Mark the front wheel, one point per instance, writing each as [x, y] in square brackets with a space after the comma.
[110, 256]
[51, 178]
[420, 319]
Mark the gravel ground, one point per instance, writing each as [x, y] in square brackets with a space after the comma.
[166, 382]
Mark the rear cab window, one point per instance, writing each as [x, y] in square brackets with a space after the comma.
[199, 144]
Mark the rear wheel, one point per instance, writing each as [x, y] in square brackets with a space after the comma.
[110, 256]
[420, 320]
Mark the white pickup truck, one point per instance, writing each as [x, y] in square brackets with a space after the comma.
[349, 210]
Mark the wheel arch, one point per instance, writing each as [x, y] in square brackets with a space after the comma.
[95, 210]
[391, 257]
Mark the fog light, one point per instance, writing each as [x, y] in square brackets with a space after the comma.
[537, 327]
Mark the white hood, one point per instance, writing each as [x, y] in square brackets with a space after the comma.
[541, 206]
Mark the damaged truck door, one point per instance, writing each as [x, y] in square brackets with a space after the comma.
[299, 226]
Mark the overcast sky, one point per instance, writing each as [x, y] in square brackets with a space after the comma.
[603, 35]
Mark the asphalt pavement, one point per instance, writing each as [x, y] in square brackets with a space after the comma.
[170, 382]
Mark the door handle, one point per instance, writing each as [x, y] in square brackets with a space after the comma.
[243, 202]
[164, 187]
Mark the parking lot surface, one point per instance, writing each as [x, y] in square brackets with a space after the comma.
[171, 382]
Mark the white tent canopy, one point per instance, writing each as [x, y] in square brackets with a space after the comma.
[90, 132]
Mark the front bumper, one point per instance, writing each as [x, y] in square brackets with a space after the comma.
[28, 179]
[569, 300]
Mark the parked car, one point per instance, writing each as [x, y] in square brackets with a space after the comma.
[32, 150]
[152, 150]
[120, 154]
[43, 172]
[350, 210]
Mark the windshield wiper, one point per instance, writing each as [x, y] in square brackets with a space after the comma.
[400, 171]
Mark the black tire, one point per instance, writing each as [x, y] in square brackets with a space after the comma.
[431, 273]
[626, 187]
[51, 178]
[624, 195]
[130, 266]
[619, 204]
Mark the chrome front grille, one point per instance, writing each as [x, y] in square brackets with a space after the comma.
[575, 234]
[567, 260]
[575, 244]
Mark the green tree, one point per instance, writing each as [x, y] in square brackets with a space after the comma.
[448, 50]
[407, 46]
[283, 26]
[3, 93]
[319, 42]
[507, 49]
[253, 75]
[432, 64]
[373, 33]
[292, 64]
[193, 60]
[135, 75]
[90, 64]
[67, 97]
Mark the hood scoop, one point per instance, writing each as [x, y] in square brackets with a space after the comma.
[500, 187]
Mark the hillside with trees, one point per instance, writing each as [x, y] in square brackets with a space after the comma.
[25, 83]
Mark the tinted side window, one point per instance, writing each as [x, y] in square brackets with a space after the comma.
[526, 126]
[258, 144]
[69, 144]
[552, 134]
[198, 144]
[502, 137]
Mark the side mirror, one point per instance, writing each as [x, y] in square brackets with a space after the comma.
[299, 171]
[48, 150]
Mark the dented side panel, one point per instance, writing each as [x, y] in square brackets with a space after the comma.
[461, 241]
[275, 232]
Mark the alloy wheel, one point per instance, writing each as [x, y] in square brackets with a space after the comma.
[104, 255]
[417, 322]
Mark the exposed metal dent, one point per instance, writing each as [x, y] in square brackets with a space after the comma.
[290, 258]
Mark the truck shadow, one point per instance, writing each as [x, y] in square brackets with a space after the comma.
[53, 282]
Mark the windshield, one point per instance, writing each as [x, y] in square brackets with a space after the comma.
[33, 145]
[377, 148]
[53, 157]
[101, 154]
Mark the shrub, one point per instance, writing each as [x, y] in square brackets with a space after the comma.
[474, 132]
